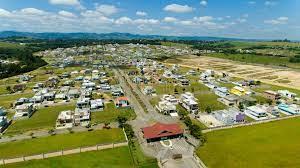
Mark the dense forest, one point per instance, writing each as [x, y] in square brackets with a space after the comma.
[26, 61]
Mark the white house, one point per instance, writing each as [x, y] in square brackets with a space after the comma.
[166, 107]
[256, 112]
[287, 94]
[24, 111]
[221, 91]
[170, 98]
[82, 117]
[65, 120]
[97, 105]
[83, 103]
[189, 102]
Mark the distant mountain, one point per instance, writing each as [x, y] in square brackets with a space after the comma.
[116, 36]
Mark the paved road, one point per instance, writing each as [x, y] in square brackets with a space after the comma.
[145, 118]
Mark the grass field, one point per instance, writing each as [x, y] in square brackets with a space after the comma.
[269, 145]
[264, 87]
[202, 93]
[6, 100]
[43, 118]
[58, 142]
[112, 158]
[257, 59]
[110, 114]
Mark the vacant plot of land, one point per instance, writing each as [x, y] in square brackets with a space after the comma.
[239, 67]
[43, 118]
[58, 142]
[209, 99]
[111, 113]
[7, 100]
[269, 145]
[112, 158]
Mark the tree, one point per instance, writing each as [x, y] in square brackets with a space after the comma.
[196, 131]
[8, 88]
[187, 121]
[258, 82]
[121, 120]
[241, 106]
[269, 101]
[208, 109]
[175, 91]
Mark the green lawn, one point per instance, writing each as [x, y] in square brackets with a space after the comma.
[110, 114]
[58, 142]
[112, 158]
[269, 145]
[209, 99]
[44, 118]
[264, 87]
[257, 59]
[6, 100]
[140, 159]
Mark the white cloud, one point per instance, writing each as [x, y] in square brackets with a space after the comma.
[169, 19]
[107, 9]
[187, 22]
[252, 2]
[65, 2]
[32, 11]
[278, 21]
[176, 8]
[4, 13]
[270, 3]
[66, 14]
[203, 3]
[126, 20]
[141, 13]
[203, 18]
[241, 20]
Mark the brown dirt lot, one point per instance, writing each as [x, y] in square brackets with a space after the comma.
[238, 69]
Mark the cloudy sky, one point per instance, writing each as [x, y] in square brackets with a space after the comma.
[263, 19]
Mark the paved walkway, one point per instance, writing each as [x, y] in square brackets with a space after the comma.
[144, 118]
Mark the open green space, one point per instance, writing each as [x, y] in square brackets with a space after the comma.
[259, 59]
[264, 87]
[7, 100]
[206, 98]
[112, 158]
[43, 118]
[59, 142]
[140, 159]
[111, 113]
[274, 144]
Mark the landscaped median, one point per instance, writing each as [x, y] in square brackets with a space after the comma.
[60, 142]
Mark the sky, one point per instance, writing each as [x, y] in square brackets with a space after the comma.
[251, 19]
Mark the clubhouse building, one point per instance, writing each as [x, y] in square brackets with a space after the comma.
[160, 131]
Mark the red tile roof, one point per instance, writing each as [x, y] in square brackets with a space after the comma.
[161, 130]
[121, 98]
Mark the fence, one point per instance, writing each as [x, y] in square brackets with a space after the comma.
[62, 153]
[248, 124]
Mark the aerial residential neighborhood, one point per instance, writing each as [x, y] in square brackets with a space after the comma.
[168, 84]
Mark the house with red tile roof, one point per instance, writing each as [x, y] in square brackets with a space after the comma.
[122, 102]
[160, 131]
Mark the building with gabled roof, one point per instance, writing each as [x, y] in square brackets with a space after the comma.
[161, 131]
